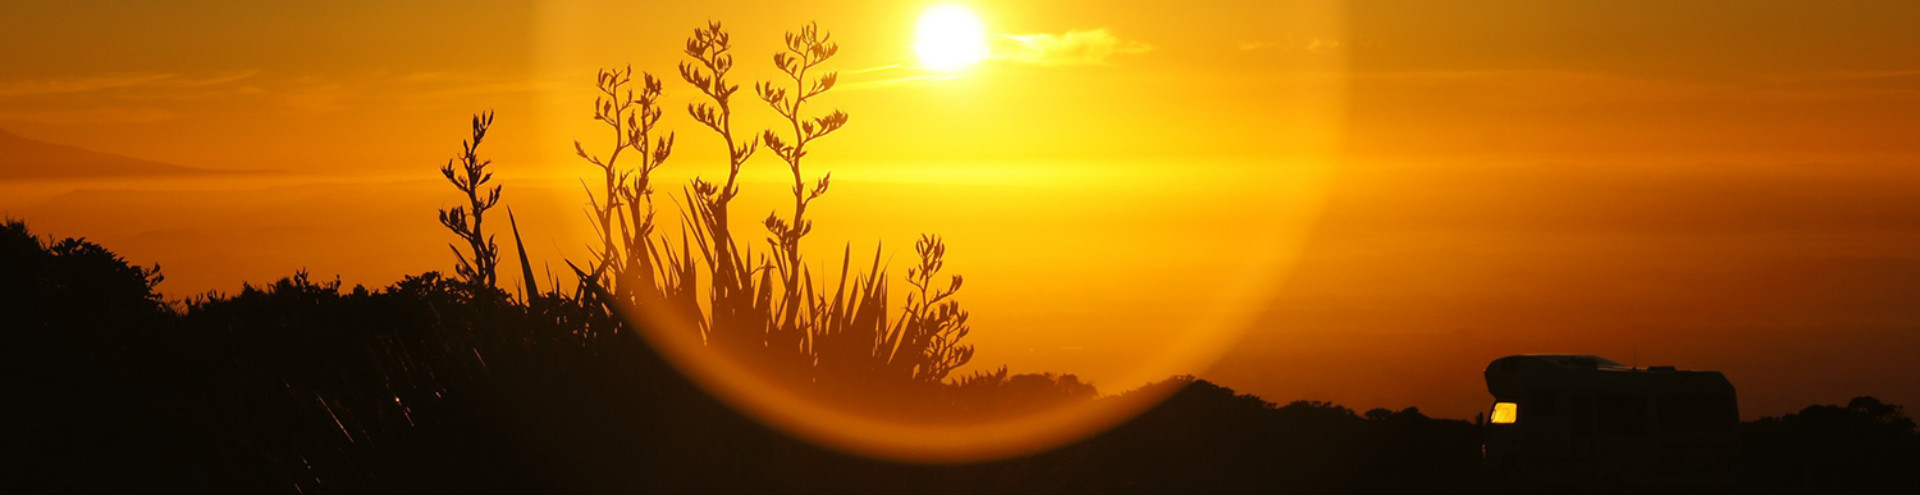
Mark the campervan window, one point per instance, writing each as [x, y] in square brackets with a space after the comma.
[1620, 414]
[1505, 413]
[1696, 412]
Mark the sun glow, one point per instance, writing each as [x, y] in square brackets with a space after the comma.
[950, 38]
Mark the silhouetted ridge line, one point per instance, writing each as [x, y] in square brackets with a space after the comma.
[22, 158]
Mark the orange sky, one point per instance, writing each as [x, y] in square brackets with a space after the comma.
[1720, 185]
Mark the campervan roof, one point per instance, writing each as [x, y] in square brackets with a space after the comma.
[1568, 361]
[1512, 376]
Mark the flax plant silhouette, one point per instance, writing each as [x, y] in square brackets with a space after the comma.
[478, 266]
[623, 211]
[770, 310]
[845, 336]
[735, 316]
[805, 51]
[933, 324]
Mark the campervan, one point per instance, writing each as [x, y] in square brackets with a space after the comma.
[1574, 420]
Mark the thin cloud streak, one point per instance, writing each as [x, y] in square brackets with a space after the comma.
[101, 115]
[88, 84]
[1087, 47]
[890, 75]
[1293, 43]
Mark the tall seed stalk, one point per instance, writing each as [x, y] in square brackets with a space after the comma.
[736, 320]
[470, 176]
[623, 210]
[806, 50]
[932, 324]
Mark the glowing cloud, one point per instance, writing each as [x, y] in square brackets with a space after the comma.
[1089, 47]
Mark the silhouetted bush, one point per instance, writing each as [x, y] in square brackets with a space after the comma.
[303, 386]
[74, 323]
[1866, 446]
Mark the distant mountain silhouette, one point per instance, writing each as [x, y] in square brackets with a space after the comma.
[22, 158]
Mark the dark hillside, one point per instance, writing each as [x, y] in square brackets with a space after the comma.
[22, 158]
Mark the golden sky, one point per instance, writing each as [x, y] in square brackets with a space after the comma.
[1722, 185]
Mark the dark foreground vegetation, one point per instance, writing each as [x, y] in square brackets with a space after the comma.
[306, 387]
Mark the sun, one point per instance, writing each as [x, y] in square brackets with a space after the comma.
[950, 38]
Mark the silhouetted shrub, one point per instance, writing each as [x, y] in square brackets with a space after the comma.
[75, 321]
[1866, 446]
[306, 386]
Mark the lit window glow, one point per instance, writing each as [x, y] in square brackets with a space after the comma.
[1505, 413]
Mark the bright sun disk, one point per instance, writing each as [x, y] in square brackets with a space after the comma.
[950, 38]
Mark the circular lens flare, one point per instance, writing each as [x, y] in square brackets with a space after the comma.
[950, 38]
[884, 423]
